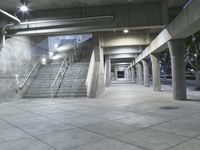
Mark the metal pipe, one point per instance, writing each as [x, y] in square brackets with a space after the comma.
[10, 16]
[69, 19]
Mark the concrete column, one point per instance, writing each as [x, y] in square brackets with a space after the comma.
[139, 74]
[155, 72]
[146, 73]
[129, 74]
[108, 70]
[97, 84]
[177, 52]
[115, 73]
[133, 74]
[126, 73]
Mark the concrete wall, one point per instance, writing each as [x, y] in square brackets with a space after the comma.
[111, 39]
[17, 58]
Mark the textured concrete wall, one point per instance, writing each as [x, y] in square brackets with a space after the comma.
[18, 57]
[111, 39]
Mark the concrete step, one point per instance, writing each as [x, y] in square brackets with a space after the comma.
[36, 96]
[71, 90]
[39, 92]
[72, 95]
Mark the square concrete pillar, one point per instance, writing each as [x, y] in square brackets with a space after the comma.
[133, 74]
[108, 70]
[139, 73]
[155, 72]
[146, 72]
[177, 52]
[98, 84]
[129, 74]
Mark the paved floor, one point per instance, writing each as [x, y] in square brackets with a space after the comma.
[125, 117]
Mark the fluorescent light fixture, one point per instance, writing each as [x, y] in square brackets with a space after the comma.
[57, 57]
[56, 45]
[24, 8]
[44, 61]
[51, 54]
[126, 31]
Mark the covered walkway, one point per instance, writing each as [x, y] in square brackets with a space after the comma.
[125, 117]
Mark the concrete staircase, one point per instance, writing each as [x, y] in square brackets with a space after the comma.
[73, 83]
[40, 86]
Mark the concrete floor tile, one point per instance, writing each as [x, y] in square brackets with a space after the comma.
[187, 126]
[45, 127]
[192, 144]
[141, 121]
[69, 138]
[107, 144]
[115, 115]
[25, 144]
[26, 121]
[11, 134]
[152, 139]
[4, 125]
[63, 116]
[112, 128]
[85, 121]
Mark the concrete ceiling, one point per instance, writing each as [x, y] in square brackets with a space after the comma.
[11, 5]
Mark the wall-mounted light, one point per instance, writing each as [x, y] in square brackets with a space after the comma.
[55, 45]
[24, 8]
[126, 31]
[51, 54]
[44, 61]
[24, 5]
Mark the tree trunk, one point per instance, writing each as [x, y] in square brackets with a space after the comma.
[197, 78]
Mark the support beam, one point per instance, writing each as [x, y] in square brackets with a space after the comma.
[115, 69]
[129, 74]
[97, 83]
[133, 74]
[177, 52]
[184, 25]
[108, 70]
[123, 56]
[155, 72]
[146, 72]
[139, 74]
[123, 50]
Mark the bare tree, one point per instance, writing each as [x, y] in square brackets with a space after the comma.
[193, 55]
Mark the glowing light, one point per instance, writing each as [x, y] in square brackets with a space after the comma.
[56, 45]
[51, 54]
[44, 60]
[126, 31]
[57, 57]
[24, 8]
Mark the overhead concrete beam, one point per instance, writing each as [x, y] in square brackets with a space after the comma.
[114, 39]
[121, 64]
[123, 50]
[121, 60]
[185, 24]
[121, 56]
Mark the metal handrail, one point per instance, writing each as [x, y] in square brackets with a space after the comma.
[57, 75]
[29, 75]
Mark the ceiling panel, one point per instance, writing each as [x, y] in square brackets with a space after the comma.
[12, 5]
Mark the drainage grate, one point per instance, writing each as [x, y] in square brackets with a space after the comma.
[169, 107]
